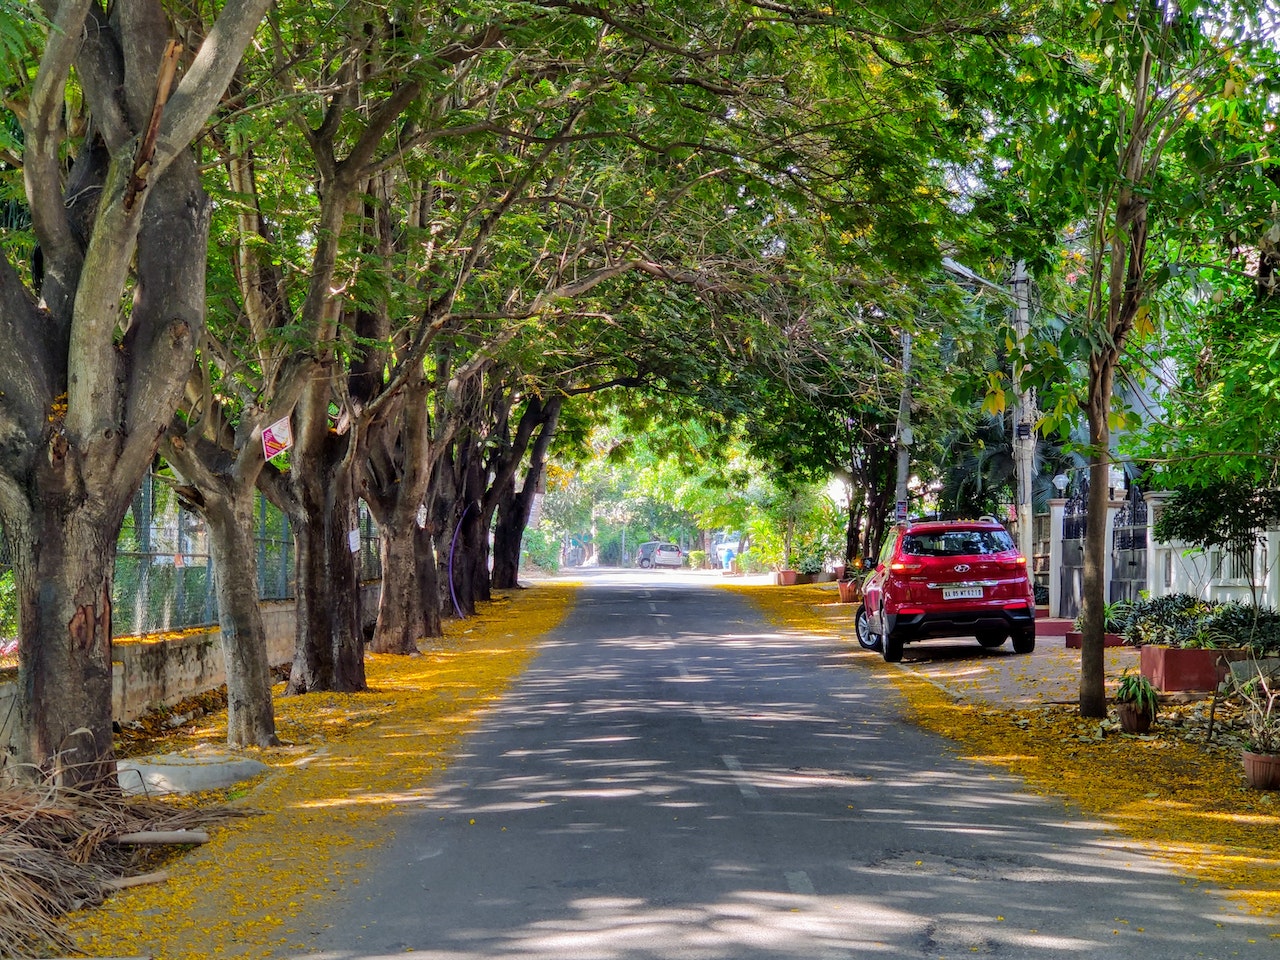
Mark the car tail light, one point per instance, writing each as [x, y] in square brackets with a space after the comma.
[900, 567]
[1019, 605]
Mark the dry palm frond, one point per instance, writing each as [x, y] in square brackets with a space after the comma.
[57, 855]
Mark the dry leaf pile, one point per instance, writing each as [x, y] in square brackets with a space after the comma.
[57, 854]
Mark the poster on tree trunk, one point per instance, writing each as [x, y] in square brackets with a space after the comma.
[277, 438]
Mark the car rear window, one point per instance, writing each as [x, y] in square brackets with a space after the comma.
[956, 543]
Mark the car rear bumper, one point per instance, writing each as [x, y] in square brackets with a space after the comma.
[961, 622]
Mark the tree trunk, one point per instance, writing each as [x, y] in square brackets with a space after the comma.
[329, 647]
[515, 509]
[63, 572]
[1093, 700]
[397, 476]
[329, 651]
[250, 712]
[401, 621]
[428, 580]
[508, 536]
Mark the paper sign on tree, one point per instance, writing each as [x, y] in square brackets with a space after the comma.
[277, 438]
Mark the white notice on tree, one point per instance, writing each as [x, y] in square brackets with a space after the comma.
[353, 540]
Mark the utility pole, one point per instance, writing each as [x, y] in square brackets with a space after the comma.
[1024, 415]
[903, 435]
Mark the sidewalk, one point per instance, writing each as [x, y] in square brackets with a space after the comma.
[999, 677]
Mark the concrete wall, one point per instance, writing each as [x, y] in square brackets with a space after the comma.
[154, 672]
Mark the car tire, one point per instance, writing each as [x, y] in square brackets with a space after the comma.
[645, 563]
[1024, 642]
[891, 648]
[866, 639]
[992, 638]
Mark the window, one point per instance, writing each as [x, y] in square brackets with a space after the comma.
[957, 543]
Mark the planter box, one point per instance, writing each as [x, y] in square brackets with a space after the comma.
[1075, 639]
[785, 578]
[1173, 670]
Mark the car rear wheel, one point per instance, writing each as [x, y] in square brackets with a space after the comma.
[992, 638]
[1024, 642]
[645, 563]
[891, 648]
[866, 639]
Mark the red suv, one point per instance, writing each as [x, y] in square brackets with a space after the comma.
[948, 578]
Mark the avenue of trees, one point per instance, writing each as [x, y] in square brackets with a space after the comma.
[451, 244]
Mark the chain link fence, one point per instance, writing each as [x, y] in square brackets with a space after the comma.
[164, 571]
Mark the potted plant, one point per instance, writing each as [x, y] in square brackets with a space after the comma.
[1137, 702]
[1114, 617]
[1260, 702]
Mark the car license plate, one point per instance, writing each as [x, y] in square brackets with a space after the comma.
[961, 593]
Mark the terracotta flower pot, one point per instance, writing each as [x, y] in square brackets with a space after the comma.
[850, 590]
[785, 578]
[1262, 770]
[1133, 720]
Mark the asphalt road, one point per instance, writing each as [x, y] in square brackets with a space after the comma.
[674, 778]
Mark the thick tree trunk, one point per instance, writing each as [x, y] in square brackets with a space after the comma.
[63, 570]
[401, 621]
[250, 712]
[329, 651]
[428, 580]
[459, 565]
[514, 509]
[508, 536]
[397, 476]
[329, 647]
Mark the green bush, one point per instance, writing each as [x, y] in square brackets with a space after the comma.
[697, 559]
[1166, 620]
[8, 606]
[750, 561]
[1181, 620]
[1245, 625]
[541, 550]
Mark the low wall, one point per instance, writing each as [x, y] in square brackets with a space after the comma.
[150, 672]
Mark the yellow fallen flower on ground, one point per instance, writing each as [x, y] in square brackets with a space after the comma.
[349, 761]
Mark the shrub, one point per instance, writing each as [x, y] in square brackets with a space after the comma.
[541, 550]
[1169, 620]
[1257, 628]
[1181, 620]
[697, 559]
[750, 561]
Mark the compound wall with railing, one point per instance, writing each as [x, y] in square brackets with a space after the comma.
[164, 572]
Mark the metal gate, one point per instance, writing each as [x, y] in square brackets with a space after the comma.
[1075, 515]
[1129, 547]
